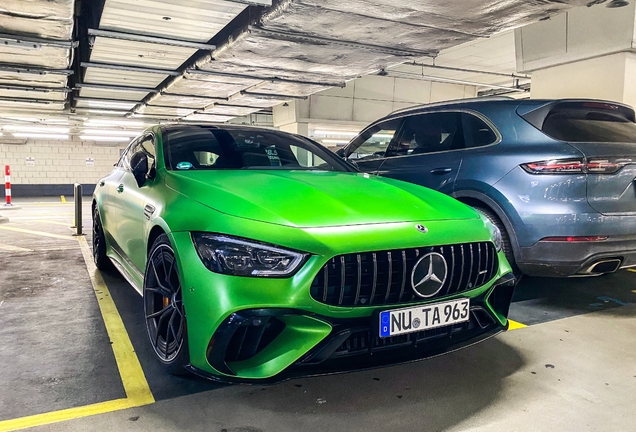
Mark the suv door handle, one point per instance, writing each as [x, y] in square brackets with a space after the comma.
[120, 188]
[441, 171]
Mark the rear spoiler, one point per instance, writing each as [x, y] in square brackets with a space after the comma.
[537, 116]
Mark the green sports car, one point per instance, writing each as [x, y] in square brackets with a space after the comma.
[261, 255]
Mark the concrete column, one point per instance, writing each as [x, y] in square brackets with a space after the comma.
[588, 52]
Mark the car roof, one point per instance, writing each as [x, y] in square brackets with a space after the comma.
[476, 103]
[225, 126]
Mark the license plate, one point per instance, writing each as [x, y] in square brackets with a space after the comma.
[418, 318]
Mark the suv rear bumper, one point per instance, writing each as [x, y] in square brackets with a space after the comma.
[562, 259]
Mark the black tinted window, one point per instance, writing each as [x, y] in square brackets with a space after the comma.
[590, 122]
[476, 132]
[209, 148]
[429, 133]
[374, 142]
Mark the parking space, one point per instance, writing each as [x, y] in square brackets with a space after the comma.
[59, 354]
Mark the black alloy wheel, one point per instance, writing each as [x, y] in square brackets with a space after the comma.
[163, 308]
[99, 244]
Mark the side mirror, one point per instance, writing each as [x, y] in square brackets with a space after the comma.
[139, 167]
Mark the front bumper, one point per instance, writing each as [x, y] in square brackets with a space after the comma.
[216, 305]
[559, 259]
[252, 345]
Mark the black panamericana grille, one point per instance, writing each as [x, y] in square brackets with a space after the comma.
[384, 277]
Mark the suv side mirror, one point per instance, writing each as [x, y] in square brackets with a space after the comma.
[139, 167]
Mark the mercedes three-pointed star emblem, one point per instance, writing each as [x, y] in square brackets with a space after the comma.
[429, 274]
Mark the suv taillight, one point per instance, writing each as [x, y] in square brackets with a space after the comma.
[577, 166]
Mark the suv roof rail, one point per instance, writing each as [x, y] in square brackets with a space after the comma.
[452, 102]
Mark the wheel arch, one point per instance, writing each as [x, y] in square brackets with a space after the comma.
[478, 199]
[155, 232]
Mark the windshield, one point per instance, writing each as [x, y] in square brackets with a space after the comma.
[211, 148]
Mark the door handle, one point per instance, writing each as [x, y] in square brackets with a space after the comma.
[120, 188]
[441, 171]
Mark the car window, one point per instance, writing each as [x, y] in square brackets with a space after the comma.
[476, 132]
[211, 148]
[124, 159]
[590, 122]
[147, 145]
[429, 133]
[374, 142]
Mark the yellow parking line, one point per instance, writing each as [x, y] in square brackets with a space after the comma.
[39, 233]
[47, 204]
[132, 375]
[11, 248]
[52, 222]
[66, 414]
[631, 270]
[62, 198]
[514, 325]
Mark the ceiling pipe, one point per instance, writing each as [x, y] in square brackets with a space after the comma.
[456, 81]
[456, 69]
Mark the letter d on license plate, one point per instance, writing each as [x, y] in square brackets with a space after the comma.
[418, 318]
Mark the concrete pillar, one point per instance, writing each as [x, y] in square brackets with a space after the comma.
[587, 52]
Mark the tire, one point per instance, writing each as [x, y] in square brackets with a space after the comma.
[102, 262]
[163, 308]
[507, 245]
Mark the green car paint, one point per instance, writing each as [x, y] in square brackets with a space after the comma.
[322, 214]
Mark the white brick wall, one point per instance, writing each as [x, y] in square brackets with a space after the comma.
[57, 162]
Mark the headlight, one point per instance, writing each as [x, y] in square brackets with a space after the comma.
[238, 257]
[495, 233]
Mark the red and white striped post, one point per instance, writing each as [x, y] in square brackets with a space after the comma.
[7, 185]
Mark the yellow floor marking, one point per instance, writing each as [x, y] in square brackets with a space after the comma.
[39, 233]
[631, 270]
[62, 198]
[14, 248]
[67, 414]
[52, 222]
[45, 204]
[132, 375]
[634, 291]
[514, 325]
[40, 216]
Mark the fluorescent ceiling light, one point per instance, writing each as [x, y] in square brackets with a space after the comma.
[36, 129]
[103, 138]
[114, 122]
[338, 133]
[41, 135]
[103, 132]
[101, 111]
[116, 105]
[334, 141]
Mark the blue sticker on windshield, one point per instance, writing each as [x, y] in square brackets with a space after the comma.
[184, 165]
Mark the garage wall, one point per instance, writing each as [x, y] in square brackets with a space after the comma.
[56, 163]
[368, 98]
[603, 79]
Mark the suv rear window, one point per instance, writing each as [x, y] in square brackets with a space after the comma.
[590, 122]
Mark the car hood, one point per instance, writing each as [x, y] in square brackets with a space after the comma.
[315, 198]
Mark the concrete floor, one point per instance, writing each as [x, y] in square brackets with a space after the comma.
[572, 369]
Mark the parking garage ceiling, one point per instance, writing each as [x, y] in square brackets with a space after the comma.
[72, 66]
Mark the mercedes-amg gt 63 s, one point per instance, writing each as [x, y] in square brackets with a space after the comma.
[261, 255]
